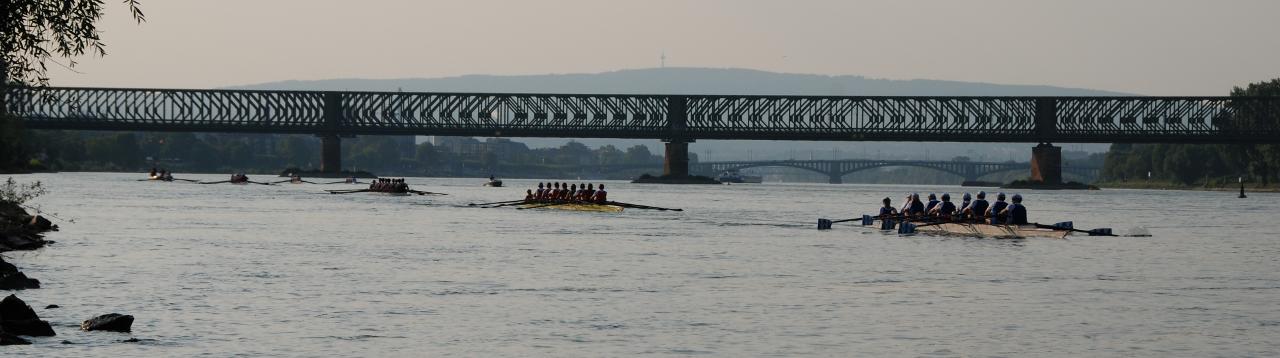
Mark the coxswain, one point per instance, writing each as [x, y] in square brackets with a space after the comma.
[977, 208]
[153, 172]
[1015, 213]
[997, 210]
[933, 202]
[945, 209]
[601, 196]
[887, 211]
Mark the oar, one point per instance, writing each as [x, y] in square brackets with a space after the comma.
[282, 181]
[260, 183]
[348, 191]
[496, 202]
[336, 182]
[419, 192]
[510, 204]
[215, 182]
[187, 180]
[1094, 232]
[637, 206]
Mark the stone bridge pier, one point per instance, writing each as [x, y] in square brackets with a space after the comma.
[1046, 164]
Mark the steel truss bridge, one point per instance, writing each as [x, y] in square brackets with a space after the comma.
[684, 118]
[677, 119]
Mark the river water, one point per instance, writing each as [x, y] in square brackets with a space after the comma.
[221, 270]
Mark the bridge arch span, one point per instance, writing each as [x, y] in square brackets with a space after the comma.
[941, 168]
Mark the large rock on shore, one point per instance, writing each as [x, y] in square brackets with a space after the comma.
[39, 223]
[12, 279]
[17, 281]
[17, 318]
[10, 340]
[20, 230]
[113, 322]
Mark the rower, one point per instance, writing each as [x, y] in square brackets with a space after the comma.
[906, 205]
[917, 207]
[1016, 213]
[978, 208]
[933, 202]
[587, 194]
[528, 196]
[945, 209]
[887, 210]
[964, 204]
[153, 172]
[997, 210]
[601, 196]
[537, 195]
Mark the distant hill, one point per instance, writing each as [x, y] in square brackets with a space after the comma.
[730, 81]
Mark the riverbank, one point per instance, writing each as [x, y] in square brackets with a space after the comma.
[1165, 185]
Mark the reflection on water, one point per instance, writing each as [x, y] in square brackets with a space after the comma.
[287, 270]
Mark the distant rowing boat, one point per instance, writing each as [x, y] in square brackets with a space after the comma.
[604, 208]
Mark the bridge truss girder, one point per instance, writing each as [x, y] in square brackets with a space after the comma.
[681, 118]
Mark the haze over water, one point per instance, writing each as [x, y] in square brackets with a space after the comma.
[289, 271]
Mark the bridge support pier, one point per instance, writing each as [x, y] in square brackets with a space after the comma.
[330, 153]
[1046, 164]
[834, 177]
[676, 162]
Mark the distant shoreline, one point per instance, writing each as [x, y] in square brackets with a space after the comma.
[1163, 185]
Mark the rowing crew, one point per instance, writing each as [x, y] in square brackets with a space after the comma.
[239, 178]
[561, 192]
[389, 185]
[161, 174]
[996, 213]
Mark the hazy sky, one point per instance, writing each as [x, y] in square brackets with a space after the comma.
[1155, 47]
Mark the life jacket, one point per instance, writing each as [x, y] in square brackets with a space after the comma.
[929, 207]
[948, 209]
[917, 207]
[886, 211]
[996, 208]
[979, 207]
[1017, 214]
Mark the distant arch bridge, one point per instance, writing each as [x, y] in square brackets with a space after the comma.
[837, 169]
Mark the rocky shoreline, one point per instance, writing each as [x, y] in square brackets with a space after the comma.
[21, 231]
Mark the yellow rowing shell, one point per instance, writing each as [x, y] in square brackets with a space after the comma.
[988, 230]
[577, 207]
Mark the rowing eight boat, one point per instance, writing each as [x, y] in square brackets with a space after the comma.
[575, 207]
[998, 231]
